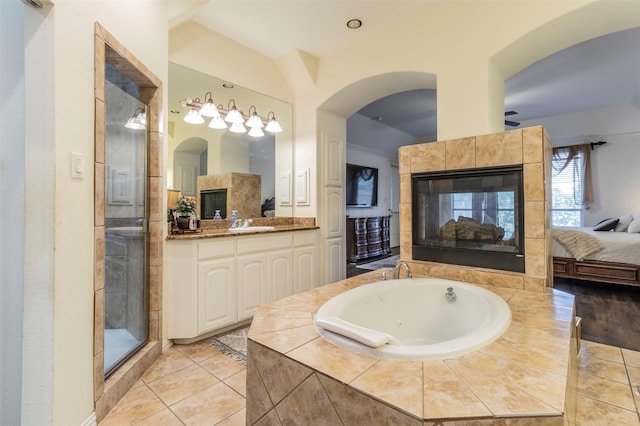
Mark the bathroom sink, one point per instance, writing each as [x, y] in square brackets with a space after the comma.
[253, 228]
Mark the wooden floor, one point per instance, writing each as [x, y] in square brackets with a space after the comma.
[610, 313]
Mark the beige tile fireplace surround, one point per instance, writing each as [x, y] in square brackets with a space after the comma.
[529, 147]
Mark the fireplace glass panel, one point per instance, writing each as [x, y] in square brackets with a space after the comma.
[212, 200]
[471, 217]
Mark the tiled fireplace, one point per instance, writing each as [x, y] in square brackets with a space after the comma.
[528, 150]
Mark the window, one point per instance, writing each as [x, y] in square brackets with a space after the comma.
[570, 185]
[497, 208]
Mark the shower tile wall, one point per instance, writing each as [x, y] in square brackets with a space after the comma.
[121, 298]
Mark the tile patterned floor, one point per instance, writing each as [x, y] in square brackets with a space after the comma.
[198, 385]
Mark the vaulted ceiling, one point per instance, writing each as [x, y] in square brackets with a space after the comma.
[594, 75]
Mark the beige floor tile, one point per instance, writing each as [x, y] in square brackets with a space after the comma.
[199, 351]
[237, 419]
[592, 412]
[238, 382]
[163, 418]
[602, 368]
[137, 404]
[182, 384]
[631, 357]
[138, 384]
[209, 406]
[605, 390]
[169, 362]
[222, 366]
[634, 375]
[591, 349]
[605, 396]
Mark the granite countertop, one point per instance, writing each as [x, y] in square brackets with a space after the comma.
[220, 228]
[525, 372]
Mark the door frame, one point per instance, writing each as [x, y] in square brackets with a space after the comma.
[108, 49]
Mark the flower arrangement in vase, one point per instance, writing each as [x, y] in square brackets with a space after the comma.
[185, 211]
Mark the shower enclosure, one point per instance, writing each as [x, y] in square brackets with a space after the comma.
[126, 221]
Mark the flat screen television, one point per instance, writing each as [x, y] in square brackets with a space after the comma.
[362, 186]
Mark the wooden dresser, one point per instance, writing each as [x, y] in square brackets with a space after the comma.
[367, 237]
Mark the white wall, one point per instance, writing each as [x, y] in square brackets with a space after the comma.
[360, 130]
[12, 176]
[59, 304]
[615, 165]
[616, 178]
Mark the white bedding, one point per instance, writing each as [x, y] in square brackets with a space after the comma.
[621, 247]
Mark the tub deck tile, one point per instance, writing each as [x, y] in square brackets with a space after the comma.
[502, 398]
[331, 360]
[445, 395]
[397, 382]
[522, 373]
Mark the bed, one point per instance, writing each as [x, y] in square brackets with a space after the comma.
[604, 256]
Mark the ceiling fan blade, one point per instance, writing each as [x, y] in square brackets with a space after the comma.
[511, 123]
[508, 113]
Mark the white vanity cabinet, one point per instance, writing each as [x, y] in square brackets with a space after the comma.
[305, 261]
[264, 271]
[218, 282]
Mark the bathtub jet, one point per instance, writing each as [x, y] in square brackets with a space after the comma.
[413, 319]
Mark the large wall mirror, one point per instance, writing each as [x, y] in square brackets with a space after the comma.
[198, 150]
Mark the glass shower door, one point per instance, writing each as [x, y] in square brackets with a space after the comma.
[126, 218]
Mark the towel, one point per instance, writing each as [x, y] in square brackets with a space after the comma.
[364, 335]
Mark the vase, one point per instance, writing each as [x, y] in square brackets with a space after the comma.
[183, 222]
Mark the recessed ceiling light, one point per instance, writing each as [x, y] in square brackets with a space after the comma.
[354, 24]
[227, 85]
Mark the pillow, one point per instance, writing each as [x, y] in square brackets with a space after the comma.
[606, 225]
[623, 223]
[634, 226]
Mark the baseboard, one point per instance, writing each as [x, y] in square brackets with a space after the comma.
[90, 421]
[166, 345]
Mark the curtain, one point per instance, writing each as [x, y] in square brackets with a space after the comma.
[578, 157]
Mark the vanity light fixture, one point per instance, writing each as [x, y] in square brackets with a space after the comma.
[138, 120]
[208, 108]
[194, 117]
[256, 132]
[238, 128]
[254, 119]
[233, 115]
[273, 126]
[217, 123]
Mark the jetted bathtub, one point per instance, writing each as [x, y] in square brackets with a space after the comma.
[416, 318]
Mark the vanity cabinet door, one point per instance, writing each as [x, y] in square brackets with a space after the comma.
[305, 268]
[253, 289]
[217, 296]
[280, 270]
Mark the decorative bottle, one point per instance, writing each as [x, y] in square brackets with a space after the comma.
[234, 217]
[217, 215]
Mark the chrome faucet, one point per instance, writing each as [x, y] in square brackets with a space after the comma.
[396, 271]
[451, 295]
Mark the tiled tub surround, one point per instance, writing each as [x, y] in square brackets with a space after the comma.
[530, 147]
[526, 377]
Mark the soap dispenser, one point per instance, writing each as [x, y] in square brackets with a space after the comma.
[234, 217]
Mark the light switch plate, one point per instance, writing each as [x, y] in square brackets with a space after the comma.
[77, 165]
